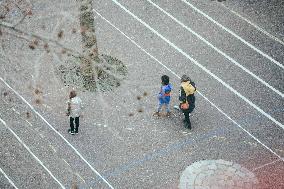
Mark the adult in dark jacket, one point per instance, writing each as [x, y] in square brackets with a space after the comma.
[186, 94]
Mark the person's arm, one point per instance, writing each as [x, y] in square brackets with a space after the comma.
[193, 84]
[168, 89]
[182, 95]
[82, 106]
[68, 108]
[161, 93]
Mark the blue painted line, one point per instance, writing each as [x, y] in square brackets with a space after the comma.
[160, 153]
[177, 146]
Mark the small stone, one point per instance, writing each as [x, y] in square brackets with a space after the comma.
[45, 46]
[131, 114]
[35, 41]
[29, 12]
[7, 8]
[32, 46]
[38, 101]
[37, 91]
[28, 114]
[60, 34]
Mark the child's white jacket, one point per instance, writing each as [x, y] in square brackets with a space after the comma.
[76, 106]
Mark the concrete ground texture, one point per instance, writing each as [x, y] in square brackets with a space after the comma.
[233, 50]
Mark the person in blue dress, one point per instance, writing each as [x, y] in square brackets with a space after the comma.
[164, 95]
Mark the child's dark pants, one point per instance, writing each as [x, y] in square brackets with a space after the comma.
[76, 124]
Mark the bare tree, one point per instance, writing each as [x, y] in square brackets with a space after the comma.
[94, 69]
[90, 49]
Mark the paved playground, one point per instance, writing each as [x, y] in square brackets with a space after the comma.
[232, 50]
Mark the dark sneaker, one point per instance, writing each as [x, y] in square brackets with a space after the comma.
[71, 132]
[76, 132]
[187, 126]
[157, 114]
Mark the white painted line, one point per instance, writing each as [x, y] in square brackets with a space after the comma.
[201, 66]
[67, 163]
[28, 149]
[16, 111]
[29, 123]
[80, 177]
[218, 50]
[235, 35]
[41, 135]
[254, 25]
[10, 181]
[52, 148]
[51, 127]
[221, 111]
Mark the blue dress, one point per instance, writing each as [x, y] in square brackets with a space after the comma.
[165, 94]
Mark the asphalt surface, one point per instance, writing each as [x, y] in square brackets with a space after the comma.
[238, 117]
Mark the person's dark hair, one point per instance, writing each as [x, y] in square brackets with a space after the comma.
[185, 78]
[72, 94]
[165, 79]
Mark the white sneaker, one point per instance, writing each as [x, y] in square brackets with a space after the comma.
[176, 107]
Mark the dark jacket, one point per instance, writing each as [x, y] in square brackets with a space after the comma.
[186, 94]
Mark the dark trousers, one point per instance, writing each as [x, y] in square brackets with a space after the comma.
[186, 119]
[186, 115]
[76, 124]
